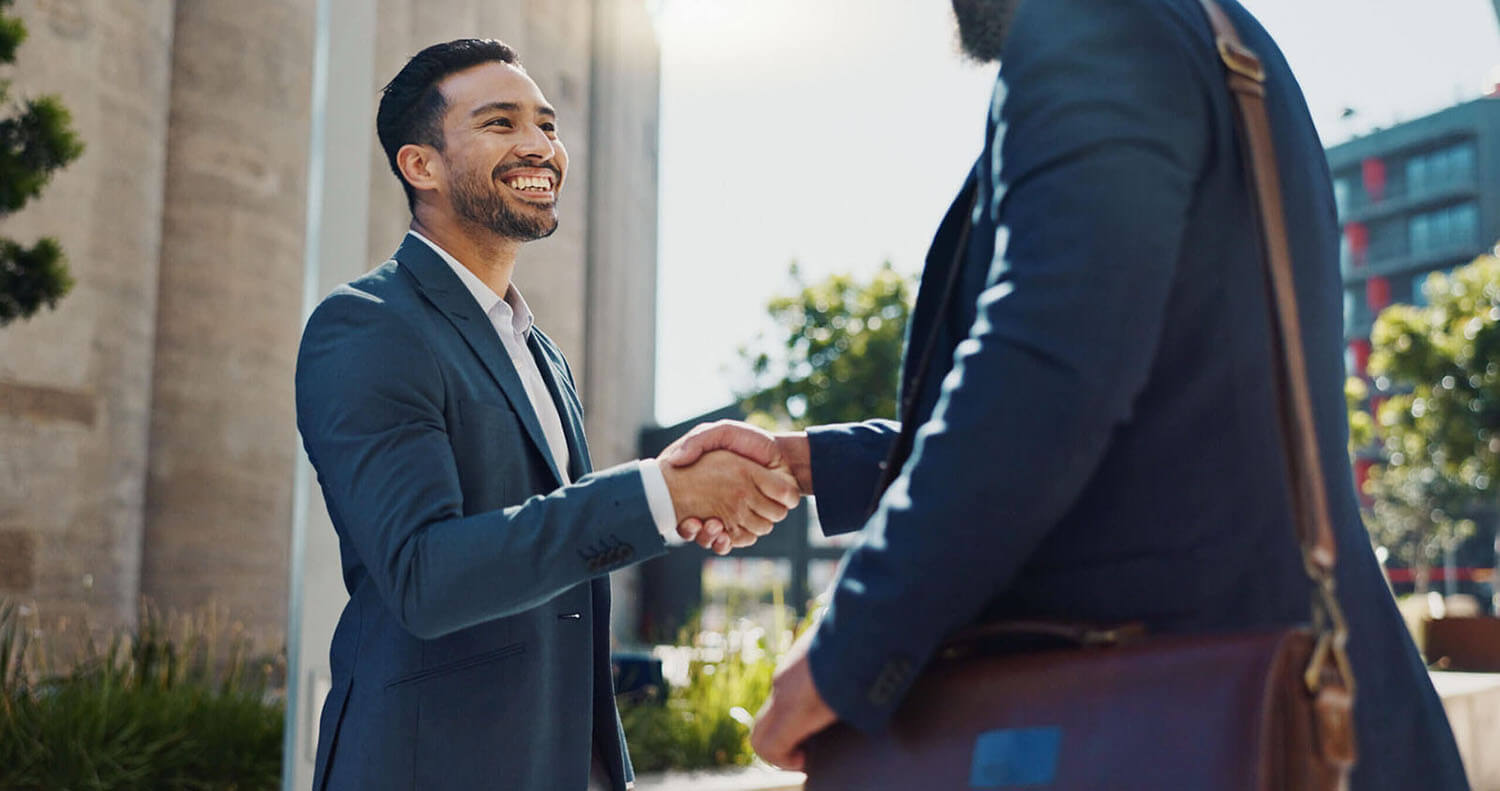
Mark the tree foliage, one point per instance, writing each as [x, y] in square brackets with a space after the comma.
[1436, 370]
[36, 139]
[838, 357]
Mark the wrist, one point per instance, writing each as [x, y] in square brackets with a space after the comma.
[796, 454]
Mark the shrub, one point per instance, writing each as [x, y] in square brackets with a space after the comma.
[705, 722]
[148, 712]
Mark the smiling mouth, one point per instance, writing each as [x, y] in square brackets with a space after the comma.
[533, 187]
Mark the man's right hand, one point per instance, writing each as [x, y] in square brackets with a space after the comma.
[746, 498]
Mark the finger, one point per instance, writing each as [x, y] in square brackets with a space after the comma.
[779, 485]
[739, 539]
[795, 760]
[755, 523]
[721, 545]
[689, 528]
[768, 510]
[712, 529]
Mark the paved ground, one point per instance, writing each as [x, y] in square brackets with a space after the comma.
[1472, 701]
[753, 778]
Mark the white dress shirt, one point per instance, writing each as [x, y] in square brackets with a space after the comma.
[512, 321]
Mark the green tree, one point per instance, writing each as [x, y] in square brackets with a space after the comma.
[1437, 369]
[36, 138]
[838, 357]
[1440, 365]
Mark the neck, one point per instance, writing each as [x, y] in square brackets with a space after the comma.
[492, 258]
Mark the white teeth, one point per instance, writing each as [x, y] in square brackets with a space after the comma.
[531, 183]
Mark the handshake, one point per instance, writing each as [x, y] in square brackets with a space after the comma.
[732, 482]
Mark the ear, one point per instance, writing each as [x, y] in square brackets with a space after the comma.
[421, 166]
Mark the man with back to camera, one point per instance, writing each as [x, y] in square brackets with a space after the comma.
[1098, 437]
[448, 440]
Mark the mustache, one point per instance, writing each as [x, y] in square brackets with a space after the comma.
[501, 170]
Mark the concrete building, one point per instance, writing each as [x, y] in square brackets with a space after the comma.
[1416, 198]
[232, 177]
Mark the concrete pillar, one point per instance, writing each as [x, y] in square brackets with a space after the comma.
[223, 441]
[341, 136]
[619, 373]
[75, 383]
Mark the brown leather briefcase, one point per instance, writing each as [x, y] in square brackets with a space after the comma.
[1112, 709]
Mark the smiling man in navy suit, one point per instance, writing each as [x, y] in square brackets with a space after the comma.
[448, 440]
[1097, 434]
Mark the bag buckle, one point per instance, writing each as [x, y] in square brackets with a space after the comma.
[1332, 636]
[1240, 60]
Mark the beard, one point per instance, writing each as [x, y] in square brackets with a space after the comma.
[982, 25]
[481, 203]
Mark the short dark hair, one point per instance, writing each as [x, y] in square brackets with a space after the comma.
[411, 106]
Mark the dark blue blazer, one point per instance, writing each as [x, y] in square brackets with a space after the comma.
[1101, 441]
[474, 650]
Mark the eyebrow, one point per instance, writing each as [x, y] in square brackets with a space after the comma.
[510, 107]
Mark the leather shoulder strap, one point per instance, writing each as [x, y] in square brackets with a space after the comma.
[1246, 77]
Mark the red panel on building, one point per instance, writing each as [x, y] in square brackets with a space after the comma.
[1358, 238]
[1361, 349]
[1378, 293]
[1373, 171]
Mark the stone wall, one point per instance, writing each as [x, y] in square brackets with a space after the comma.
[75, 383]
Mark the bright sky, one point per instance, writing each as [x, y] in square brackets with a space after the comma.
[835, 133]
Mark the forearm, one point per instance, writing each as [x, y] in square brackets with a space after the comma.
[445, 574]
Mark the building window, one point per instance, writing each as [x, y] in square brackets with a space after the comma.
[1357, 316]
[1447, 228]
[1387, 239]
[1441, 169]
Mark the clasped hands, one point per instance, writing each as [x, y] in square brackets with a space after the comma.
[732, 482]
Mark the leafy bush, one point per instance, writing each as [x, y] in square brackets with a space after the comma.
[704, 723]
[148, 712]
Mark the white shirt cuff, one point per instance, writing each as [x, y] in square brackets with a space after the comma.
[659, 500]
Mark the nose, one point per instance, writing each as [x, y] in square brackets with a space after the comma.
[535, 145]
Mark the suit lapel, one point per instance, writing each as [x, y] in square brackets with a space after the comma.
[445, 291]
[549, 362]
[942, 256]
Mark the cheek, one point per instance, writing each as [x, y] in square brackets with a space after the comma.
[561, 159]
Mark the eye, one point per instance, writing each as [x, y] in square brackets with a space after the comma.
[503, 122]
[548, 126]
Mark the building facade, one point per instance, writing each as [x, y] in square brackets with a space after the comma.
[1413, 199]
[148, 446]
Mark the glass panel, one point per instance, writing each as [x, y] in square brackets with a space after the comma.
[1341, 195]
[1466, 224]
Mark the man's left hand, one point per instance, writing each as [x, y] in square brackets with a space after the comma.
[794, 712]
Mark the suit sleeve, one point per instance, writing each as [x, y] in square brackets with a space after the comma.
[846, 468]
[1105, 130]
[370, 409]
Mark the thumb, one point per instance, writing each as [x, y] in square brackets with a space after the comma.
[688, 450]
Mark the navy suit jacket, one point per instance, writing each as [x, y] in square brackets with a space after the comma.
[1101, 442]
[474, 650]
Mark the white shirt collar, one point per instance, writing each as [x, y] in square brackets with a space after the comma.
[512, 309]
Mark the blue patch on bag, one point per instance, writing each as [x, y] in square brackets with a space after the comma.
[1015, 757]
